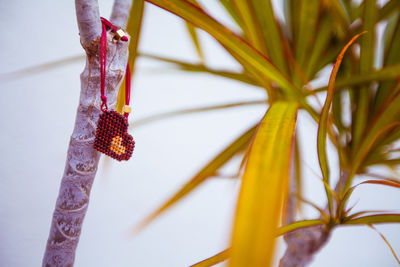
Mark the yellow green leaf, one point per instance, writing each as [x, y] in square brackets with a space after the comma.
[251, 27]
[383, 13]
[369, 141]
[250, 56]
[342, 20]
[383, 182]
[309, 11]
[220, 257]
[224, 255]
[264, 187]
[133, 28]
[207, 171]
[373, 219]
[41, 68]
[389, 8]
[298, 225]
[322, 38]
[391, 57]
[346, 196]
[171, 114]
[271, 31]
[367, 53]
[386, 241]
[384, 74]
[193, 35]
[187, 66]
[232, 12]
[323, 122]
[195, 39]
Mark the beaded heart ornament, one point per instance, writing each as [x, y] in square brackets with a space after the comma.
[112, 136]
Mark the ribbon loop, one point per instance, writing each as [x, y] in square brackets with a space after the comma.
[103, 64]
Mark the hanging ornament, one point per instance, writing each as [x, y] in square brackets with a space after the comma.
[112, 136]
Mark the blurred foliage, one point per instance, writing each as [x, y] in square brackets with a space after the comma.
[282, 56]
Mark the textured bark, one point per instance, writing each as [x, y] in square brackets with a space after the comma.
[302, 244]
[82, 159]
[89, 24]
[120, 13]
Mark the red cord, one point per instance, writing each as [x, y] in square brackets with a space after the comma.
[103, 57]
[127, 88]
[110, 25]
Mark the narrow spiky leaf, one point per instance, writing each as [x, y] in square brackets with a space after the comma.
[224, 255]
[373, 219]
[133, 28]
[264, 187]
[323, 123]
[207, 171]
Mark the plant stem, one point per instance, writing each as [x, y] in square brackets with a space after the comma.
[82, 159]
[302, 244]
[120, 13]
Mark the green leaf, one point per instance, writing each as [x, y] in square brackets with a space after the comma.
[298, 177]
[322, 38]
[220, 257]
[264, 187]
[340, 16]
[207, 171]
[195, 39]
[251, 27]
[373, 219]
[133, 28]
[386, 241]
[250, 56]
[41, 68]
[367, 53]
[291, 12]
[187, 66]
[224, 255]
[193, 35]
[391, 57]
[227, 4]
[388, 9]
[153, 118]
[298, 225]
[383, 13]
[271, 31]
[385, 74]
[383, 182]
[309, 11]
[342, 204]
[323, 122]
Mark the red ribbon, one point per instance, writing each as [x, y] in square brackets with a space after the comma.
[103, 57]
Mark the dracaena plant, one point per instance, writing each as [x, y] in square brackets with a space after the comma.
[359, 114]
[282, 57]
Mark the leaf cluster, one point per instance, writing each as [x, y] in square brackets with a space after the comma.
[283, 57]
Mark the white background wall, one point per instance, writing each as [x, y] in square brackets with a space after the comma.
[37, 119]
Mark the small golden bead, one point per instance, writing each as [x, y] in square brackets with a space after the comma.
[127, 109]
[119, 34]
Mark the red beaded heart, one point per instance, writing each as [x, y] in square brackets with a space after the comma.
[112, 136]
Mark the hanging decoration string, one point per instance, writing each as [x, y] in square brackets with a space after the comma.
[103, 64]
[112, 137]
[127, 89]
[103, 57]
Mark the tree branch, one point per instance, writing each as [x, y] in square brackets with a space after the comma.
[120, 12]
[304, 243]
[82, 159]
[88, 17]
